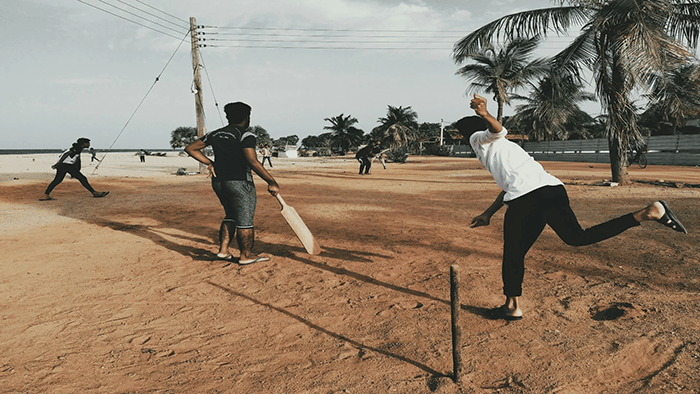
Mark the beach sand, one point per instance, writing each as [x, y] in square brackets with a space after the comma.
[123, 294]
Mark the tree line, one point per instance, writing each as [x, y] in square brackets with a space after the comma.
[631, 48]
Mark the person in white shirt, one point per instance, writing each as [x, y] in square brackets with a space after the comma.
[266, 154]
[534, 198]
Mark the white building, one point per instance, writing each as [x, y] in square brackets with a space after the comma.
[287, 151]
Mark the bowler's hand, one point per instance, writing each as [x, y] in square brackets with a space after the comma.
[478, 104]
[481, 220]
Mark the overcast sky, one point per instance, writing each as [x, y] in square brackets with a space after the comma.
[72, 70]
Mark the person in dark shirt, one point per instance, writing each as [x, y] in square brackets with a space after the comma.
[363, 156]
[232, 181]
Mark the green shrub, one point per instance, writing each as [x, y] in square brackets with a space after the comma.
[397, 155]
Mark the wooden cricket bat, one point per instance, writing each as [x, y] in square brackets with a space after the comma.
[302, 232]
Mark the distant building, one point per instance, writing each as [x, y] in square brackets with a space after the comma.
[287, 151]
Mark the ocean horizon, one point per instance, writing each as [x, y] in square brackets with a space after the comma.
[56, 151]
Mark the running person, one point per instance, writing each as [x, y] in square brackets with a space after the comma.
[69, 163]
[232, 181]
[534, 199]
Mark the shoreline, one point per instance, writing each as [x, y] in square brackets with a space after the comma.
[37, 167]
[32, 168]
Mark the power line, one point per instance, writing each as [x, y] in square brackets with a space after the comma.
[148, 13]
[328, 30]
[138, 16]
[216, 103]
[322, 41]
[142, 100]
[172, 16]
[327, 47]
[130, 20]
[332, 39]
[455, 37]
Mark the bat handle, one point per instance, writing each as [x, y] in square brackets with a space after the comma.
[281, 201]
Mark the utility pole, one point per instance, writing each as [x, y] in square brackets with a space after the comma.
[198, 103]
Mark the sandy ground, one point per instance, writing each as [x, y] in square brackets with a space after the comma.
[123, 294]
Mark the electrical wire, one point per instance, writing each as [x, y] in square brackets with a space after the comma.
[148, 13]
[332, 39]
[216, 103]
[142, 101]
[138, 16]
[170, 15]
[129, 20]
[326, 47]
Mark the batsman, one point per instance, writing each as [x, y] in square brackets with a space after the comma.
[232, 181]
[534, 198]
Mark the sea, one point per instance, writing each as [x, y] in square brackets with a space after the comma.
[58, 151]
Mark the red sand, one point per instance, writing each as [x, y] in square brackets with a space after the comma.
[122, 295]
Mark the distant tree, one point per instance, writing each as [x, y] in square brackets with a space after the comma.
[182, 136]
[344, 134]
[426, 133]
[316, 142]
[500, 71]
[674, 98]
[398, 127]
[551, 110]
[623, 43]
[261, 136]
[284, 141]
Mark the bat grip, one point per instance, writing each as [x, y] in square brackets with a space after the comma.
[279, 198]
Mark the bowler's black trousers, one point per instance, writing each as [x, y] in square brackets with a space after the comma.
[525, 219]
[72, 169]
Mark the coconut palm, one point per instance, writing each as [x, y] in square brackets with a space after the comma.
[398, 128]
[551, 111]
[677, 97]
[343, 134]
[502, 71]
[624, 42]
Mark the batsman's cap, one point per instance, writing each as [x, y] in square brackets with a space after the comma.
[237, 110]
[83, 140]
[470, 124]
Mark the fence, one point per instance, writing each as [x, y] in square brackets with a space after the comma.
[678, 150]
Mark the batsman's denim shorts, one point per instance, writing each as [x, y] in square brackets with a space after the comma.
[238, 199]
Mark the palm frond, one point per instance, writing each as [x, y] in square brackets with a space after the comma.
[524, 24]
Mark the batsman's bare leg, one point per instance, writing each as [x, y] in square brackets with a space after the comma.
[226, 233]
[246, 239]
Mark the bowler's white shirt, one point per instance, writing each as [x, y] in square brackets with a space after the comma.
[513, 169]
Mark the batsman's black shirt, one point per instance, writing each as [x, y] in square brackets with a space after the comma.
[228, 143]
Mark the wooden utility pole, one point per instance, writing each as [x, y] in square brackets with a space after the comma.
[198, 102]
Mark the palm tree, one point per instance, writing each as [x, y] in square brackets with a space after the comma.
[624, 42]
[676, 97]
[343, 134]
[398, 128]
[502, 71]
[551, 111]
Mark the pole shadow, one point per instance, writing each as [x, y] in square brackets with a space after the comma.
[318, 328]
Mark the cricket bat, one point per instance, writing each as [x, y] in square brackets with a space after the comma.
[302, 232]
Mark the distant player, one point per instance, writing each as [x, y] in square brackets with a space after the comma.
[534, 199]
[364, 156]
[69, 163]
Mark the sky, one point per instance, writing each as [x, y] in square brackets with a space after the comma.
[87, 68]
